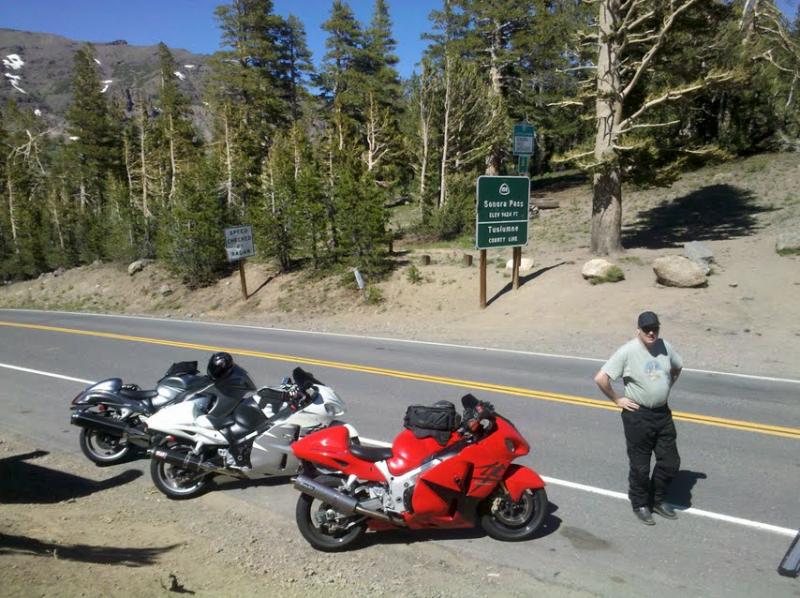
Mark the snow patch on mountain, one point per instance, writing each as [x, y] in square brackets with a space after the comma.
[13, 61]
[106, 85]
[180, 75]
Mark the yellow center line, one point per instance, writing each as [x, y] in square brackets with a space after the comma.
[734, 424]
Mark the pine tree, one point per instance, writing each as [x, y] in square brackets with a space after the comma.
[295, 66]
[340, 79]
[196, 247]
[245, 94]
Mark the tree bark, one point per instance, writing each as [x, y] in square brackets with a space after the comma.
[445, 133]
[172, 162]
[228, 161]
[10, 187]
[606, 184]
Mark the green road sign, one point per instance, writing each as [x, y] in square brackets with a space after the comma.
[523, 139]
[502, 211]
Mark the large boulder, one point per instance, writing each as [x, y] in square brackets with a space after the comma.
[525, 264]
[700, 254]
[788, 243]
[138, 266]
[679, 271]
[596, 268]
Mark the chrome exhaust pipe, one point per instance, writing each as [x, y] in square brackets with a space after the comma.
[347, 505]
[192, 462]
[87, 419]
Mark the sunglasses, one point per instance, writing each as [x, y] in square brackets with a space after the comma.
[650, 329]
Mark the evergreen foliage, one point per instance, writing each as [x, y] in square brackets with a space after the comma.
[312, 160]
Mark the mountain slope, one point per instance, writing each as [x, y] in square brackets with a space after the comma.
[38, 71]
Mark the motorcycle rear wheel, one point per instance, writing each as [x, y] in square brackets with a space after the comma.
[101, 448]
[323, 527]
[175, 482]
[514, 521]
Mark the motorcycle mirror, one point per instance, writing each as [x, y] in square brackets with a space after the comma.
[286, 381]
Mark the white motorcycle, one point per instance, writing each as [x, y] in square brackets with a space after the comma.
[245, 437]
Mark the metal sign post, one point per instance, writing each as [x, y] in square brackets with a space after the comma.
[524, 138]
[238, 246]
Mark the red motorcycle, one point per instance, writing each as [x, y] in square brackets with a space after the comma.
[443, 471]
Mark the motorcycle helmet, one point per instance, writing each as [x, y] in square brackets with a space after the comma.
[219, 365]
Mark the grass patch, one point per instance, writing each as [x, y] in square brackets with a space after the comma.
[413, 275]
[788, 251]
[632, 259]
[614, 274]
[373, 296]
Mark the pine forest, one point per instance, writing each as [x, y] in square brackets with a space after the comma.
[316, 158]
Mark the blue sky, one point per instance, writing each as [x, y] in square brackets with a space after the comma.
[190, 24]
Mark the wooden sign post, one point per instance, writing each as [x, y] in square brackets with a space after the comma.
[238, 246]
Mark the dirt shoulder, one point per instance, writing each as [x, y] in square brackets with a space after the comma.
[70, 529]
[747, 319]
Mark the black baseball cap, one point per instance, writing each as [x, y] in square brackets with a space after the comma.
[647, 319]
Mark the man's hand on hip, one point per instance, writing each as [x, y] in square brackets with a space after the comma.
[626, 404]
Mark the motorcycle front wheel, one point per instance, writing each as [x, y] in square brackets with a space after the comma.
[102, 448]
[176, 482]
[514, 521]
[322, 526]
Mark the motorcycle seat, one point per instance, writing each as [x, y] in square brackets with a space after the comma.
[372, 454]
[138, 395]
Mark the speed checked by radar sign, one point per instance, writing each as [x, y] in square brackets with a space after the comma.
[502, 211]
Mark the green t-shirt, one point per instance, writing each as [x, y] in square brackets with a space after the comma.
[646, 374]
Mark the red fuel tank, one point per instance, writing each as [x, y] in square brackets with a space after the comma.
[409, 452]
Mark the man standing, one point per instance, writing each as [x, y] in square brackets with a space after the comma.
[649, 367]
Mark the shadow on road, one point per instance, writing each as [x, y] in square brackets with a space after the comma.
[709, 214]
[84, 553]
[680, 490]
[22, 482]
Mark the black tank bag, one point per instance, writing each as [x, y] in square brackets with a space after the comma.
[432, 422]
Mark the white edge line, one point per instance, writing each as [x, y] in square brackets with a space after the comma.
[41, 373]
[783, 531]
[393, 340]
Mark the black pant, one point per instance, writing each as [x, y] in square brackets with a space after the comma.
[649, 431]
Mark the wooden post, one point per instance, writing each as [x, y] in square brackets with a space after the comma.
[517, 259]
[483, 279]
[243, 279]
[467, 259]
[425, 260]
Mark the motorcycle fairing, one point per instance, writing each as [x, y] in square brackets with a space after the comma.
[330, 448]
[518, 478]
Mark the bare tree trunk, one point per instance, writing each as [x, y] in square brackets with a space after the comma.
[445, 133]
[425, 134]
[56, 219]
[372, 139]
[606, 184]
[329, 203]
[496, 91]
[143, 159]
[228, 162]
[172, 162]
[82, 195]
[11, 217]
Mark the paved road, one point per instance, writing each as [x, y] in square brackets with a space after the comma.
[739, 439]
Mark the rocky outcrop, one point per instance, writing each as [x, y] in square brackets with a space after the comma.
[679, 271]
